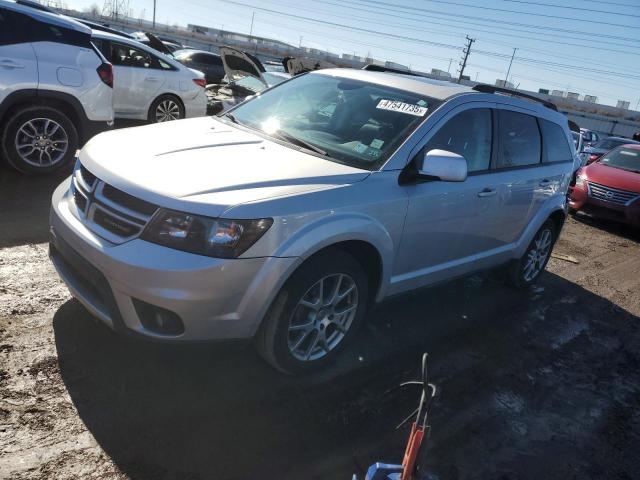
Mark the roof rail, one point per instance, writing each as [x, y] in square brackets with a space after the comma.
[379, 68]
[484, 88]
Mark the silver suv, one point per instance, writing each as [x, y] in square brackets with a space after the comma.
[286, 218]
[55, 87]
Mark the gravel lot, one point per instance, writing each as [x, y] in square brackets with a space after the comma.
[541, 384]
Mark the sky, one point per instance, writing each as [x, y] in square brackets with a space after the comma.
[585, 46]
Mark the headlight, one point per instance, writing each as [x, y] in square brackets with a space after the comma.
[580, 178]
[214, 237]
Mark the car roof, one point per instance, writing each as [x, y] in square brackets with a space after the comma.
[41, 15]
[194, 50]
[438, 89]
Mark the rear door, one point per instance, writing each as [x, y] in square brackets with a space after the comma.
[18, 65]
[137, 80]
[529, 172]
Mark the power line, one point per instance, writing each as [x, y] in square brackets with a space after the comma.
[545, 40]
[394, 7]
[520, 12]
[553, 5]
[413, 39]
[612, 3]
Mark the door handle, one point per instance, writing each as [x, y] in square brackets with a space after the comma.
[6, 63]
[545, 183]
[487, 192]
[152, 79]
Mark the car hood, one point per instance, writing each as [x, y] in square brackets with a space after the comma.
[206, 166]
[613, 177]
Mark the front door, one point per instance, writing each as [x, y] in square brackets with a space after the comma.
[449, 224]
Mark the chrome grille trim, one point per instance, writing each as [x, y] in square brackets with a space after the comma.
[609, 194]
[113, 212]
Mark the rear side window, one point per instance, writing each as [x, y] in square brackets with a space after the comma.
[207, 59]
[126, 56]
[519, 140]
[467, 134]
[556, 147]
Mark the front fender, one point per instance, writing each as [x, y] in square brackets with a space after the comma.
[336, 228]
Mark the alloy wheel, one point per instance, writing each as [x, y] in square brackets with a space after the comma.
[537, 254]
[167, 110]
[41, 142]
[322, 317]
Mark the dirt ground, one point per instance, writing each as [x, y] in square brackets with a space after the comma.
[540, 384]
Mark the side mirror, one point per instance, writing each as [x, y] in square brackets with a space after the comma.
[445, 165]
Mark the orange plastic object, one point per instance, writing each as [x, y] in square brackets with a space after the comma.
[411, 452]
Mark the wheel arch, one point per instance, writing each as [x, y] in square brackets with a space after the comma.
[64, 102]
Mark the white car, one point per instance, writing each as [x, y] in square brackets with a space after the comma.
[55, 88]
[149, 85]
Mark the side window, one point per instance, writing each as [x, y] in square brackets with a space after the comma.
[159, 63]
[126, 56]
[7, 36]
[467, 134]
[519, 140]
[13, 28]
[556, 147]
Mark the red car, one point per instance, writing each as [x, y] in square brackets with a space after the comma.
[610, 187]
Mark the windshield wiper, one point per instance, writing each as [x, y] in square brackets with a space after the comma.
[231, 117]
[287, 137]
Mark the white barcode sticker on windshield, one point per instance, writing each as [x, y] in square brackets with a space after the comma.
[397, 106]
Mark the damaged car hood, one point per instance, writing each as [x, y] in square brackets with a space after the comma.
[205, 166]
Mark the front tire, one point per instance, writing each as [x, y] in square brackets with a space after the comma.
[315, 314]
[526, 270]
[38, 140]
[165, 108]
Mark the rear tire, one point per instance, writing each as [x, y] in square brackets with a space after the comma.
[305, 308]
[526, 270]
[165, 108]
[38, 140]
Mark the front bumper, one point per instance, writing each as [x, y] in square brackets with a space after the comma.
[214, 298]
[579, 199]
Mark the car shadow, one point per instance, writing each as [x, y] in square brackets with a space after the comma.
[616, 228]
[24, 205]
[539, 383]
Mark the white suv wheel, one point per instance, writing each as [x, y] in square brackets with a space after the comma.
[41, 142]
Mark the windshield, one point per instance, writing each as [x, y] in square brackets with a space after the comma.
[350, 121]
[625, 158]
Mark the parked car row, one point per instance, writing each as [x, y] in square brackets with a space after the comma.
[61, 82]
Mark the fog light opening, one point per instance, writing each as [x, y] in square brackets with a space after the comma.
[157, 319]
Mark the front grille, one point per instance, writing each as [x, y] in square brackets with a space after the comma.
[129, 201]
[107, 211]
[608, 194]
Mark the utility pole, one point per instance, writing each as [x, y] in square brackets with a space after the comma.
[477, 73]
[510, 63]
[449, 69]
[154, 13]
[251, 29]
[300, 42]
[466, 51]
